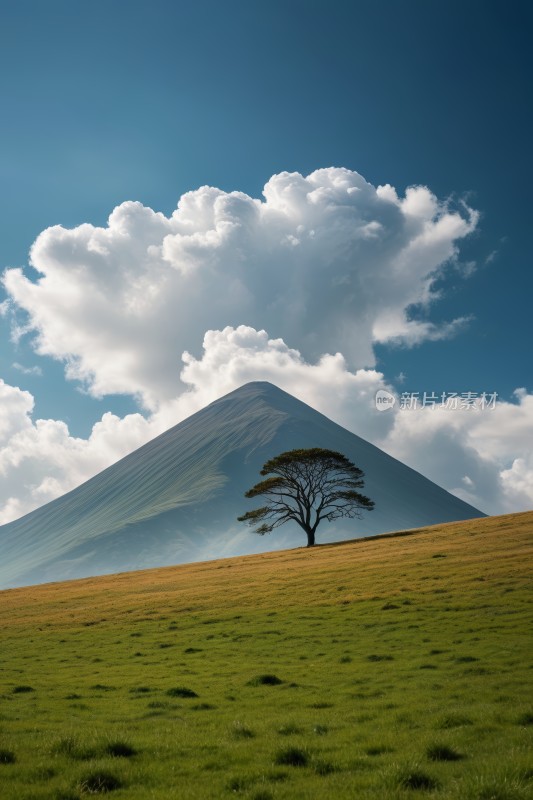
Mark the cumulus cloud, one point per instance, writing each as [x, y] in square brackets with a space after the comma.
[40, 460]
[327, 262]
[15, 405]
[518, 483]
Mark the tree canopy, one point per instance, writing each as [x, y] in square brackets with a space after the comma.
[307, 486]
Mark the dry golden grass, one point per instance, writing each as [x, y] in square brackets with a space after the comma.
[503, 549]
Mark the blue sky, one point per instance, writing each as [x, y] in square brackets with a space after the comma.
[105, 102]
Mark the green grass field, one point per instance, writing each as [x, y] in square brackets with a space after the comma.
[396, 667]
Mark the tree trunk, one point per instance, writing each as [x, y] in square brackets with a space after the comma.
[310, 537]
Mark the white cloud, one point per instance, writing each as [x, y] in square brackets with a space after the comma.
[327, 262]
[396, 330]
[39, 460]
[27, 370]
[15, 406]
[518, 483]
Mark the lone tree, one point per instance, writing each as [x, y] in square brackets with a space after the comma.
[307, 486]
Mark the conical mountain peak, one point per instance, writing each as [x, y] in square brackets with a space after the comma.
[176, 498]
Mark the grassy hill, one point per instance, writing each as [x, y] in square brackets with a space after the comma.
[391, 667]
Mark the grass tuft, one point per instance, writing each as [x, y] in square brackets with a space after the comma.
[265, 680]
[415, 778]
[120, 749]
[7, 757]
[181, 691]
[22, 689]
[100, 782]
[292, 757]
[442, 752]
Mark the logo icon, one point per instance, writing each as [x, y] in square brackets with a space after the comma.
[384, 400]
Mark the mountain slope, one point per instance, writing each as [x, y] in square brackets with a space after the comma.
[176, 498]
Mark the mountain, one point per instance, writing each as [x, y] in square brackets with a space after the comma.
[176, 499]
